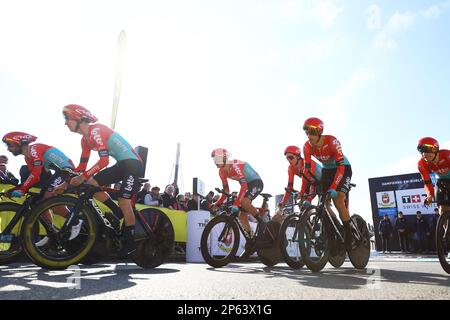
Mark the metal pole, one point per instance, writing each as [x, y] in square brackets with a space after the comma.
[118, 80]
[177, 163]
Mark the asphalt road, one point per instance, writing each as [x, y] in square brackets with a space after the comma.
[385, 278]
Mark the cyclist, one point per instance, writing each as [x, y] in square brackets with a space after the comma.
[251, 186]
[296, 168]
[336, 172]
[437, 161]
[128, 169]
[39, 157]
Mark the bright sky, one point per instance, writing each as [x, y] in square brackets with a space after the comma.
[242, 75]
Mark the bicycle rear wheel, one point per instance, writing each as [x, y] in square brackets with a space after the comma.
[267, 243]
[58, 252]
[152, 252]
[220, 241]
[359, 256]
[313, 240]
[10, 248]
[289, 242]
[443, 240]
[337, 249]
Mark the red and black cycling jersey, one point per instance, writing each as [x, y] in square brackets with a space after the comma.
[307, 180]
[441, 169]
[43, 156]
[107, 143]
[239, 171]
[329, 154]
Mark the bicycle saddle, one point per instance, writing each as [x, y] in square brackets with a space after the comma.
[265, 195]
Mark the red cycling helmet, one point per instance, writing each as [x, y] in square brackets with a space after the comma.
[220, 156]
[294, 150]
[78, 113]
[18, 138]
[428, 145]
[313, 125]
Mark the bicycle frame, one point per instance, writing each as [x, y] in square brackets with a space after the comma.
[85, 198]
[235, 216]
[323, 212]
[6, 235]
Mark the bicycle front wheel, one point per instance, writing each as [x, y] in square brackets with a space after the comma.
[443, 240]
[220, 241]
[10, 248]
[313, 240]
[46, 244]
[289, 242]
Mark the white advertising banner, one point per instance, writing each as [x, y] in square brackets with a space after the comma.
[218, 248]
[196, 222]
[410, 201]
[292, 249]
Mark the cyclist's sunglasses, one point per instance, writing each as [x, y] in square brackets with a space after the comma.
[311, 131]
[290, 158]
[10, 144]
[426, 148]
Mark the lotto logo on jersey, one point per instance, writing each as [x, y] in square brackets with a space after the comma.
[338, 146]
[237, 169]
[96, 136]
[33, 151]
[93, 170]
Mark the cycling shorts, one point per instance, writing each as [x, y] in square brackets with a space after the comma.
[328, 178]
[125, 171]
[254, 188]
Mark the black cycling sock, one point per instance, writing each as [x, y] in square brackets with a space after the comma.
[114, 207]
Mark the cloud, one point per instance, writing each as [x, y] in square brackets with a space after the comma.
[326, 13]
[399, 22]
[334, 107]
[436, 10]
[432, 12]
[323, 12]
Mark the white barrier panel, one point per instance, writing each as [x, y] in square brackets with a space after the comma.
[292, 248]
[196, 222]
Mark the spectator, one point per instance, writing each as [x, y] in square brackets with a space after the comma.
[209, 199]
[385, 230]
[6, 177]
[181, 203]
[169, 196]
[421, 233]
[192, 204]
[153, 198]
[141, 194]
[24, 172]
[187, 196]
[401, 226]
